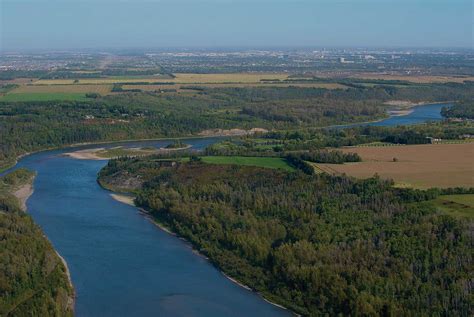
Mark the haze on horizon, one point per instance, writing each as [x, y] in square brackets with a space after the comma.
[79, 24]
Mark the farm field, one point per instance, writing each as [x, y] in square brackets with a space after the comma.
[184, 87]
[418, 166]
[101, 89]
[270, 162]
[456, 205]
[180, 78]
[54, 92]
[42, 96]
[190, 78]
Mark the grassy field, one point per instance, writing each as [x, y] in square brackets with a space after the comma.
[270, 162]
[54, 92]
[227, 78]
[42, 96]
[456, 205]
[75, 88]
[180, 78]
[418, 166]
[186, 87]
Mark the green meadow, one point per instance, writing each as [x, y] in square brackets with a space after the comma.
[269, 162]
[42, 96]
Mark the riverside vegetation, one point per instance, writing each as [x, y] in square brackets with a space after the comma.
[329, 245]
[33, 280]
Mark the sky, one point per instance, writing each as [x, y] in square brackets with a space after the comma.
[100, 24]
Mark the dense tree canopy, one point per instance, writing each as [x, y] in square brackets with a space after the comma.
[328, 245]
[33, 281]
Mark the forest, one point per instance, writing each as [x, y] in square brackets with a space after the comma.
[464, 109]
[33, 280]
[316, 140]
[331, 245]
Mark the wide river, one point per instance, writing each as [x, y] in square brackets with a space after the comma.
[123, 265]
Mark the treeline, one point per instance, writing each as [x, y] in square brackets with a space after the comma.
[70, 74]
[281, 143]
[33, 281]
[307, 139]
[463, 109]
[325, 156]
[236, 148]
[317, 244]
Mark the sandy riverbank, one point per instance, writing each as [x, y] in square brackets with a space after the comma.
[399, 113]
[23, 193]
[231, 132]
[88, 154]
[101, 153]
[128, 200]
[71, 299]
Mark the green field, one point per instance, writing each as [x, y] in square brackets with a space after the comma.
[456, 205]
[42, 96]
[270, 162]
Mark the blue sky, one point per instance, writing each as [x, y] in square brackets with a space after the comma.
[69, 24]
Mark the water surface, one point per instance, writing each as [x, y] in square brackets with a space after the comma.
[420, 114]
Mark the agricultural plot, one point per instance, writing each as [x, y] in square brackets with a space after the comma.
[228, 78]
[28, 89]
[188, 87]
[269, 162]
[456, 205]
[42, 96]
[54, 92]
[419, 166]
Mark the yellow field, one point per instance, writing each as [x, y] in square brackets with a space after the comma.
[101, 89]
[420, 166]
[180, 78]
[101, 81]
[227, 78]
[236, 85]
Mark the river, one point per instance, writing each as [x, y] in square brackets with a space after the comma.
[121, 264]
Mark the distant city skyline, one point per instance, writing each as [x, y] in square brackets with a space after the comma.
[148, 24]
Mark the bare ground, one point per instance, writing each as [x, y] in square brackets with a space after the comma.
[420, 166]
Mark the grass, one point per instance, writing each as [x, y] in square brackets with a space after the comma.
[75, 88]
[42, 96]
[456, 205]
[269, 162]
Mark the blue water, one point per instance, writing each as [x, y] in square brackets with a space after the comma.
[420, 114]
[123, 265]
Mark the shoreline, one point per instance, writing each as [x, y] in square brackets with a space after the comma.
[125, 200]
[72, 298]
[93, 154]
[23, 193]
[404, 112]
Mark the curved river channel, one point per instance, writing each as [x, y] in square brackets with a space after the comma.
[121, 264]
